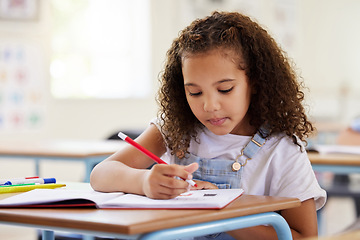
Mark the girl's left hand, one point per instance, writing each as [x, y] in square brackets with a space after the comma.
[201, 185]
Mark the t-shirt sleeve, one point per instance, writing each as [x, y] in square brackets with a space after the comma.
[295, 177]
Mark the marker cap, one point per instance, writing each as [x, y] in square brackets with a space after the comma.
[49, 180]
[122, 135]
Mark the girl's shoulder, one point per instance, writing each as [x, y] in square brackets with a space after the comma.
[281, 143]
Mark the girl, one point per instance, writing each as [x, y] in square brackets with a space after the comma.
[230, 117]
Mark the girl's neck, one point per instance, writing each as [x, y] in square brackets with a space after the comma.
[244, 130]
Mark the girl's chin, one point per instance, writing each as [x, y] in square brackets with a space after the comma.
[218, 131]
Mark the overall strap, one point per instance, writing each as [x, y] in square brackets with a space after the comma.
[256, 142]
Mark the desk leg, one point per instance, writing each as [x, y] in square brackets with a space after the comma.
[278, 222]
[48, 235]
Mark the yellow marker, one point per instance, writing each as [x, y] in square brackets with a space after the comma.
[26, 188]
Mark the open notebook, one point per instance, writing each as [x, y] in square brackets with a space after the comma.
[325, 149]
[198, 199]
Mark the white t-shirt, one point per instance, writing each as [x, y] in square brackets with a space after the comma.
[279, 168]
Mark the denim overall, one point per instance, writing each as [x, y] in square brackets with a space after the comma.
[220, 171]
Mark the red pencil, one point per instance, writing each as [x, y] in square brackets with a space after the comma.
[147, 152]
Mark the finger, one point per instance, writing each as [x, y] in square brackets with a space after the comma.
[158, 191]
[192, 167]
[163, 176]
[174, 170]
[167, 193]
[173, 182]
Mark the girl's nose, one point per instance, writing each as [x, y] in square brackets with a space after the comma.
[211, 104]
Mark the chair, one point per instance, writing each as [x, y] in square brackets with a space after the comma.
[340, 187]
[341, 182]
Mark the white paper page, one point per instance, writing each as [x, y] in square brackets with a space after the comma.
[216, 198]
[43, 196]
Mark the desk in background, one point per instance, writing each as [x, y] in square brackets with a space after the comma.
[335, 163]
[246, 211]
[88, 152]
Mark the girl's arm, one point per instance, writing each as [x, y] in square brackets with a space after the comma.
[126, 170]
[302, 221]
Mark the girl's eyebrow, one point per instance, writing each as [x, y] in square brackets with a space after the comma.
[225, 80]
[190, 84]
[216, 83]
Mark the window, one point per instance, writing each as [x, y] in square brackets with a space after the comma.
[100, 49]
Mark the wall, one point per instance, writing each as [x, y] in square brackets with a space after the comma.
[326, 53]
[330, 58]
[81, 119]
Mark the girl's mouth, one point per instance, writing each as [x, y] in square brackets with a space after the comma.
[217, 121]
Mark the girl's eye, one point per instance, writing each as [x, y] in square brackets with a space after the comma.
[226, 90]
[195, 94]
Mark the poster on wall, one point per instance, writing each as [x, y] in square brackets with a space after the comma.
[22, 87]
[22, 10]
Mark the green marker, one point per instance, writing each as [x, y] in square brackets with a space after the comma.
[25, 184]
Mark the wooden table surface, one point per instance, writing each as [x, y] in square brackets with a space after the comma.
[355, 235]
[116, 221]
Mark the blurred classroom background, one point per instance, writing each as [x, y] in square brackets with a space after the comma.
[84, 69]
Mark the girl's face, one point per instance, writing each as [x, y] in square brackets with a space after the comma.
[218, 92]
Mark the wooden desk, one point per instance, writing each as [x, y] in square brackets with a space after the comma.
[244, 212]
[89, 152]
[336, 163]
[345, 236]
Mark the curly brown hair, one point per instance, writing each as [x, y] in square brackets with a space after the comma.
[277, 98]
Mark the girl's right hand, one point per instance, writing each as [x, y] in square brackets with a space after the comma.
[166, 181]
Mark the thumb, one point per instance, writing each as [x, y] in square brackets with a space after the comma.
[192, 167]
